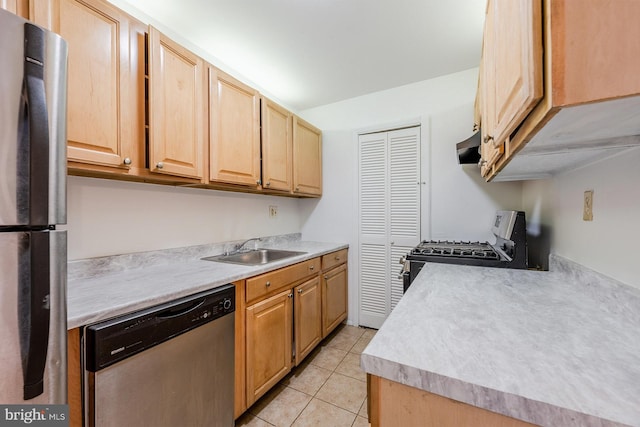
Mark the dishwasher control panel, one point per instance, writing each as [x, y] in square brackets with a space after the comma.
[113, 340]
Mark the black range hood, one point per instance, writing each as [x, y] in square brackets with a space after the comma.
[469, 150]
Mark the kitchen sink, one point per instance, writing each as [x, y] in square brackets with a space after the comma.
[255, 257]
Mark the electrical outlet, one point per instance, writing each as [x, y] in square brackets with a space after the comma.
[587, 214]
[273, 211]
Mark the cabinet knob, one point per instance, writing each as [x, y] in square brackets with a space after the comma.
[326, 277]
[267, 284]
[127, 161]
[481, 163]
[259, 182]
[268, 183]
[337, 258]
[487, 139]
[290, 295]
[475, 127]
[297, 189]
[160, 165]
[311, 267]
[299, 291]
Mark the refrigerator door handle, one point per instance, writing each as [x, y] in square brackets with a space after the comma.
[35, 289]
[35, 100]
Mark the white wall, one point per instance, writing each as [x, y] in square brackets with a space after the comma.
[463, 204]
[107, 217]
[458, 202]
[167, 28]
[609, 243]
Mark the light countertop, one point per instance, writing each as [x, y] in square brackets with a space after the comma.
[557, 348]
[102, 288]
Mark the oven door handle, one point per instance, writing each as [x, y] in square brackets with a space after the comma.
[402, 273]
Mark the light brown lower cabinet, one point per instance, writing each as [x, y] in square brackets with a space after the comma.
[394, 404]
[281, 316]
[334, 298]
[307, 317]
[268, 343]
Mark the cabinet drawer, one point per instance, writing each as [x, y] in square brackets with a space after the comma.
[269, 283]
[334, 258]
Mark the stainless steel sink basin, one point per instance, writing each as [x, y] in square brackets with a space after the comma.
[256, 257]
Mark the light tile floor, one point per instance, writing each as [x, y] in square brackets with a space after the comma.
[327, 389]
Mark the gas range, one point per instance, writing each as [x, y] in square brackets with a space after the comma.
[509, 250]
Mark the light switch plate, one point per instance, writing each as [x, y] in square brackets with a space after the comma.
[587, 214]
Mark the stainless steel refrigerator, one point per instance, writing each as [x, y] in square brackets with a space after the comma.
[33, 253]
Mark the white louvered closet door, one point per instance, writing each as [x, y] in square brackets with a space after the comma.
[389, 217]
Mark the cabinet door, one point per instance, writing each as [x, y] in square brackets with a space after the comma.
[489, 152]
[268, 335]
[102, 85]
[308, 317]
[513, 64]
[276, 146]
[334, 298]
[176, 108]
[307, 158]
[477, 105]
[234, 139]
[19, 7]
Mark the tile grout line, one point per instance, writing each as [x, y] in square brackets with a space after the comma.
[332, 371]
[322, 385]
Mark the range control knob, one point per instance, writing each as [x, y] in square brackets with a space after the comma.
[226, 304]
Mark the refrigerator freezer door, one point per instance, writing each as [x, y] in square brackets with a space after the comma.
[33, 64]
[33, 285]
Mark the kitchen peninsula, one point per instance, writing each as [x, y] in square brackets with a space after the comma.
[557, 348]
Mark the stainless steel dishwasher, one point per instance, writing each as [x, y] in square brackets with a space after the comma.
[169, 365]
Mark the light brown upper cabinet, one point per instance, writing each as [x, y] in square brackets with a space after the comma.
[512, 71]
[490, 150]
[590, 90]
[176, 108]
[141, 107]
[105, 111]
[18, 7]
[277, 148]
[234, 135]
[307, 158]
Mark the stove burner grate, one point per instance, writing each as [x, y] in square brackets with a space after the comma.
[459, 249]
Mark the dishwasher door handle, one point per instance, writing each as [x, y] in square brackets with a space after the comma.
[180, 310]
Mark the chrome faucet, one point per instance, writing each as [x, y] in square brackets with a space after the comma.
[239, 247]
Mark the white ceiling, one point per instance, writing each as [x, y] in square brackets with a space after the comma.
[308, 53]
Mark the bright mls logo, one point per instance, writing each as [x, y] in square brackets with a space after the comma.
[34, 415]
